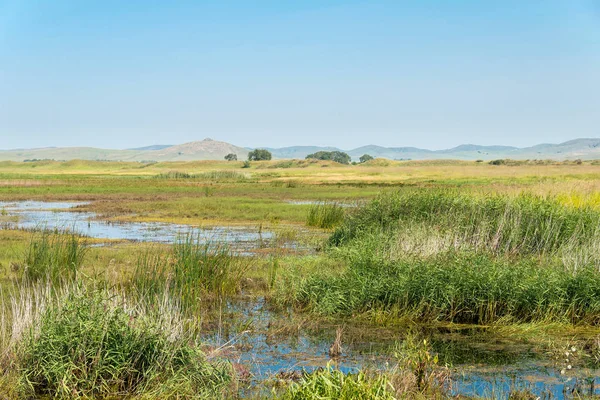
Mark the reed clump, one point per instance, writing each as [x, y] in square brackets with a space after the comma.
[525, 224]
[57, 255]
[325, 215]
[458, 287]
[434, 256]
[98, 345]
[193, 268]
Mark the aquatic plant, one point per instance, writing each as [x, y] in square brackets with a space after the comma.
[416, 375]
[330, 383]
[418, 369]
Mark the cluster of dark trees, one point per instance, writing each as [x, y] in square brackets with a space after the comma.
[337, 156]
[254, 155]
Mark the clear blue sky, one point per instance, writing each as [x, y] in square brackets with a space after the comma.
[425, 73]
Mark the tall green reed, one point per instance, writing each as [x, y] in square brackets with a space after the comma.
[57, 255]
[524, 224]
[325, 215]
[194, 268]
[97, 343]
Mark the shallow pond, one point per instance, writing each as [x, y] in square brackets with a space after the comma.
[481, 364]
[63, 215]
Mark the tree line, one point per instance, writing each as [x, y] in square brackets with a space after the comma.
[336, 156]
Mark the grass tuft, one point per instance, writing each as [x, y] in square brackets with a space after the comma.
[325, 215]
[92, 345]
[194, 269]
[54, 255]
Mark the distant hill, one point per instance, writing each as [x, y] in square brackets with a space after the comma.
[206, 149]
[209, 149]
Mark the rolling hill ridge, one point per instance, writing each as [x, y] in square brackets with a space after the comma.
[208, 149]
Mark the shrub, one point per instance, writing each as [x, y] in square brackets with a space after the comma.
[231, 157]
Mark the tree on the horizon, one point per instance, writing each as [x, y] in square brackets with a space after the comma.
[231, 157]
[259, 155]
[365, 157]
[337, 156]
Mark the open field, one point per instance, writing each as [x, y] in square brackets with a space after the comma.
[385, 280]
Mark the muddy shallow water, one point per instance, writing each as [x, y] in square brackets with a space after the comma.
[481, 365]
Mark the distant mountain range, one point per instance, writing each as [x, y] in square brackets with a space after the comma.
[209, 149]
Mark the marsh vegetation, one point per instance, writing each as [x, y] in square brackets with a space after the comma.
[439, 268]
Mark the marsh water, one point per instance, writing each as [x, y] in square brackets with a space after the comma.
[64, 215]
[263, 341]
[482, 363]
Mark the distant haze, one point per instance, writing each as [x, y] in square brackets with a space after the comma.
[430, 74]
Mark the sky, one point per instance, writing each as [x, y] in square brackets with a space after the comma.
[424, 73]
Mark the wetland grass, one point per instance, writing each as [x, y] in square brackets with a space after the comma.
[325, 215]
[98, 344]
[421, 254]
[57, 255]
[331, 383]
[525, 224]
[216, 176]
[492, 259]
[194, 268]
